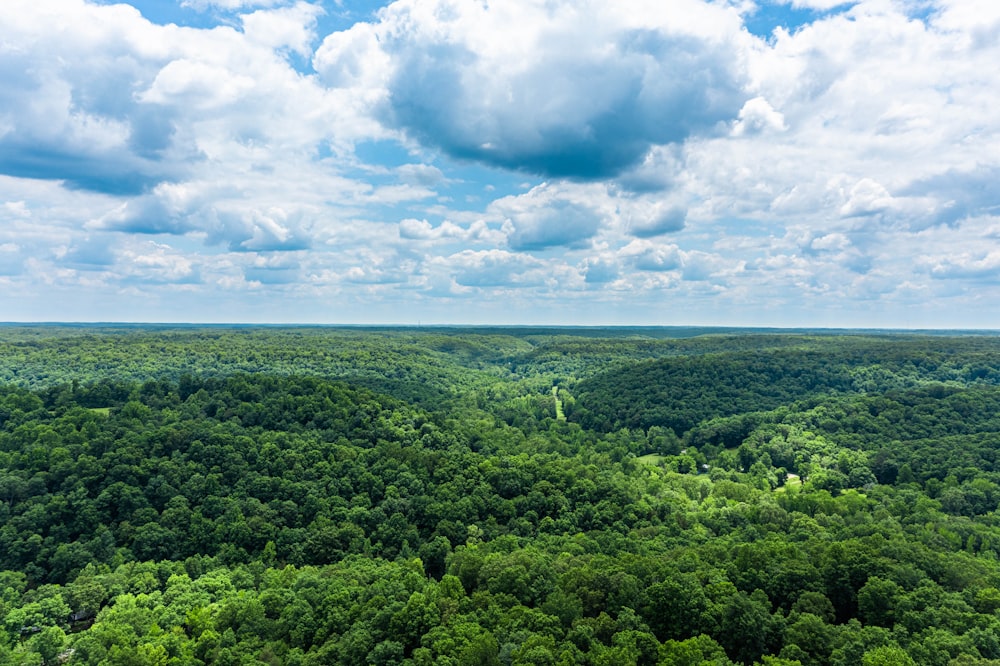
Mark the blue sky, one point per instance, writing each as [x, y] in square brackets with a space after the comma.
[730, 162]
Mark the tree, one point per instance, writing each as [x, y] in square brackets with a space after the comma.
[674, 607]
[49, 643]
[887, 655]
[877, 601]
[744, 627]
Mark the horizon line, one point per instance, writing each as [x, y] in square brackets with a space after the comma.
[419, 325]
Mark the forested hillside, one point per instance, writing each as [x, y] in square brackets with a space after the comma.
[402, 496]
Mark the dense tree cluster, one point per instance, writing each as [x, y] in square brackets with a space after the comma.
[823, 500]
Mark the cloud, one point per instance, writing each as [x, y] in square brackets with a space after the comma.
[848, 161]
[866, 197]
[974, 265]
[962, 193]
[600, 271]
[661, 169]
[375, 275]
[690, 266]
[495, 268]
[158, 264]
[422, 230]
[183, 209]
[557, 88]
[68, 74]
[657, 219]
[230, 5]
[273, 229]
[423, 175]
[168, 209]
[199, 84]
[704, 266]
[648, 256]
[99, 98]
[16, 209]
[549, 216]
[287, 28]
[274, 269]
[562, 223]
[822, 5]
[758, 116]
[830, 243]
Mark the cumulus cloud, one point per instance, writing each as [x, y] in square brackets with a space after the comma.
[263, 230]
[230, 5]
[600, 271]
[690, 265]
[980, 266]
[960, 193]
[657, 219]
[101, 99]
[554, 88]
[288, 28]
[202, 85]
[819, 4]
[830, 242]
[412, 229]
[648, 256]
[562, 223]
[495, 268]
[549, 216]
[866, 197]
[75, 118]
[450, 148]
[16, 209]
[169, 208]
[157, 263]
[758, 116]
[375, 275]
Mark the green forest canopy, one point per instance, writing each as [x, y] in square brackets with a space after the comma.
[267, 495]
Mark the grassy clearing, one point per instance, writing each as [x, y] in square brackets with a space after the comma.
[559, 410]
[106, 411]
[651, 459]
[793, 480]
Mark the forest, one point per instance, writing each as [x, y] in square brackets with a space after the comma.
[268, 496]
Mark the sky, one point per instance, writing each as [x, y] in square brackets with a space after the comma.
[791, 163]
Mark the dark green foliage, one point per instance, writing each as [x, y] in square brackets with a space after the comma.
[321, 496]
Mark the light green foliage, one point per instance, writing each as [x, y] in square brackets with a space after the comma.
[321, 496]
[887, 656]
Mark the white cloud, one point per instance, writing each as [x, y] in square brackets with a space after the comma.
[551, 216]
[496, 268]
[866, 197]
[851, 161]
[153, 262]
[601, 270]
[559, 88]
[291, 28]
[17, 209]
[421, 174]
[197, 84]
[969, 265]
[758, 116]
[820, 4]
[230, 5]
[67, 74]
[423, 230]
[834, 241]
[654, 218]
[649, 256]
